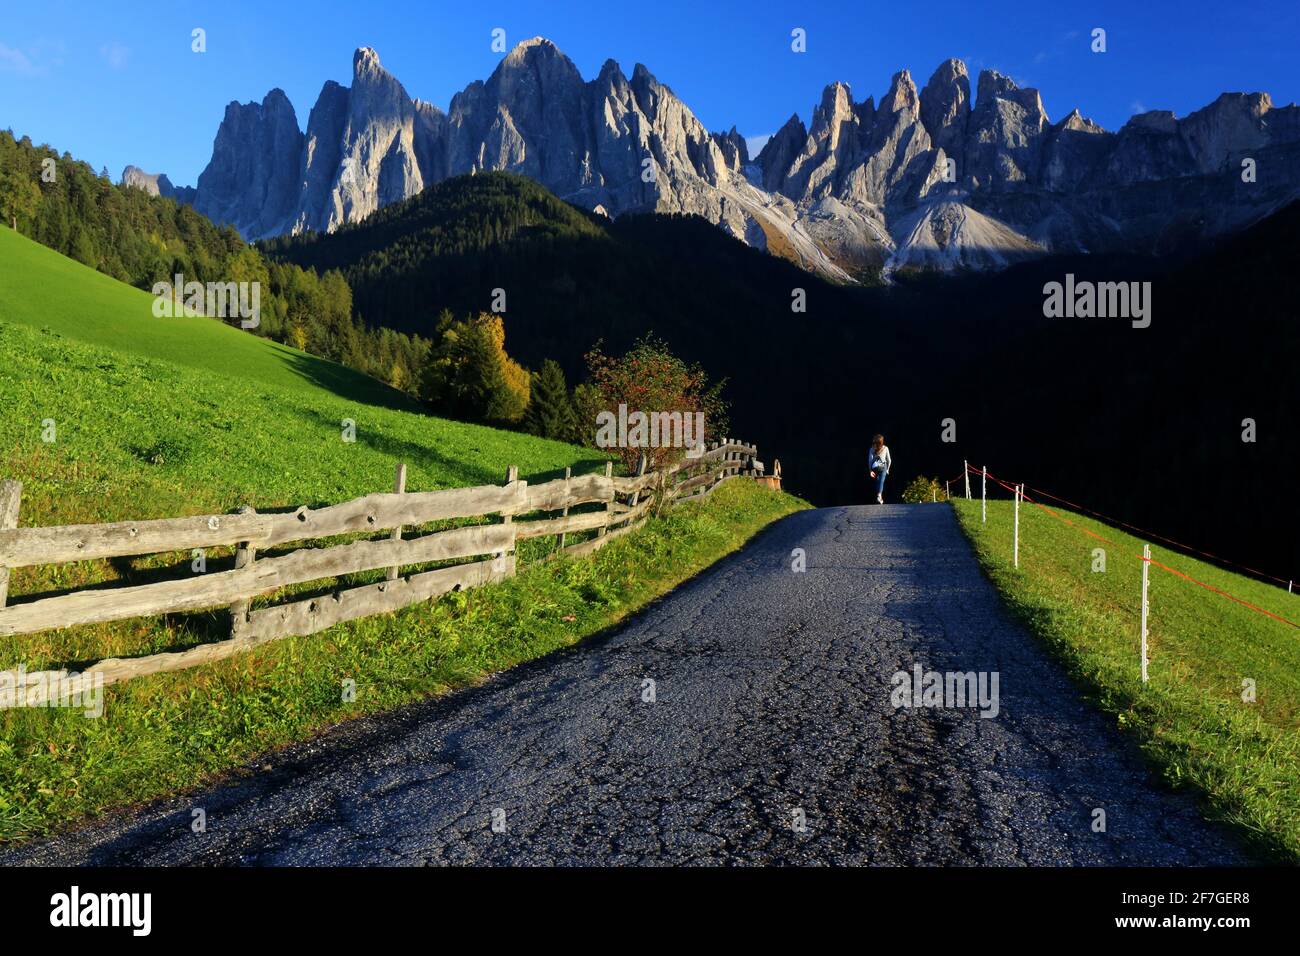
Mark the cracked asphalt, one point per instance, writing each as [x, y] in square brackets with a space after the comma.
[772, 699]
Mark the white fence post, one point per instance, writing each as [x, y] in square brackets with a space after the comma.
[984, 505]
[965, 470]
[1015, 545]
[1146, 567]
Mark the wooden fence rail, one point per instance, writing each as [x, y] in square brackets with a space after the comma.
[486, 549]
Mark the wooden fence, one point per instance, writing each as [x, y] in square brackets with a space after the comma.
[621, 504]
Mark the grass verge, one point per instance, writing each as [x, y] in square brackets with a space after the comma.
[1193, 718]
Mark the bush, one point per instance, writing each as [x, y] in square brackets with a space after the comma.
[923, 491]
[648, 381]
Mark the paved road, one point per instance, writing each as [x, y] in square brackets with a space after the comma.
[772, 697]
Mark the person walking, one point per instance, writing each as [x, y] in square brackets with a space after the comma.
[880, 463]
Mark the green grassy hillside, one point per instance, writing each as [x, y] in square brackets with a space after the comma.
[44, 290]
[1190, 718]
[164, 417]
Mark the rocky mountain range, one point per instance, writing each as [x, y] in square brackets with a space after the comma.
[933, 178]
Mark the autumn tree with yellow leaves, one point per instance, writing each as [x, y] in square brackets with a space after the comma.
[470, 376]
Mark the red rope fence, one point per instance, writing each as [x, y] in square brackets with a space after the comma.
[1150, 561]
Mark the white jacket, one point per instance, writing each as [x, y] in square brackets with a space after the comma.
[881, 461]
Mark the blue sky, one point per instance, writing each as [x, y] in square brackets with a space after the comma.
[117, 83]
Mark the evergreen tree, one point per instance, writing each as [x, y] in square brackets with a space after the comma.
[469, 374]
[550, 410]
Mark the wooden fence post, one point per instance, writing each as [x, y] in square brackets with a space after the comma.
[399, 487]
[609, 473]
[245, 554]
[640, 470]
[512, 475]
[1146, 567]
[568, 473]
[11, 496]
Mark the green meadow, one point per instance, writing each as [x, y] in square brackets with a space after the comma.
[160, 417]
[1220, 712]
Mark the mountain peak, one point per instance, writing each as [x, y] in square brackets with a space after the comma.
[1079, 123]
[834, 91]
[541, 57]
[949, 84]
[535, 50]
[902, 93]
[364, 60]
[538, 41]
[155, 184]
[277, 99]
[945, 107]
[950, 71]
[1160, 121]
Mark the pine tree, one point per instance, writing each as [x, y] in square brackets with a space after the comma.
[550, 411]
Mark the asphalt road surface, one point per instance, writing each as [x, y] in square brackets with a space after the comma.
[771, 739]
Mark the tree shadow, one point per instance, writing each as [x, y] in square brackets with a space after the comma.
[459, 472]
[345, 382]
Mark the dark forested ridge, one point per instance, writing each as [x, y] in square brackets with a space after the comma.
[1143, 424]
